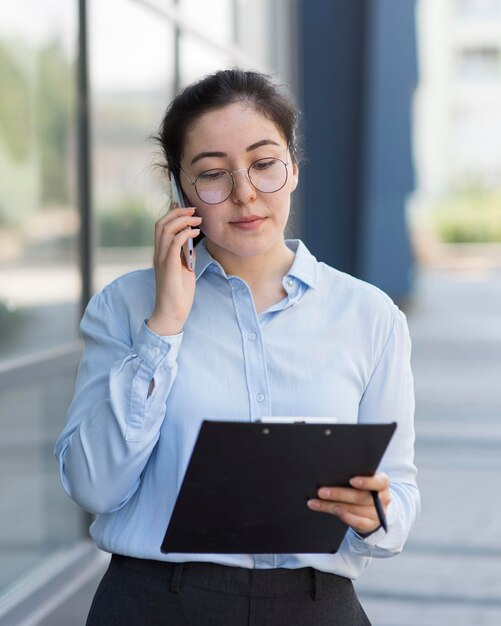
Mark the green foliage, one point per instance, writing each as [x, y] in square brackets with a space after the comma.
[55, 121]
[39, 113]
[15, 114]
[469, 216]
[125, 225]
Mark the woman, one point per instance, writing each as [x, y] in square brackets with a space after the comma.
[259, 328]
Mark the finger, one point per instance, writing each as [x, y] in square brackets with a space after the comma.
[338, 508]
[168, 218]
[179, 240]
[361, 519]
[378, 482]
[357, 520]
[174, 213]
[345, 494]
[169, 231]
[171, 218]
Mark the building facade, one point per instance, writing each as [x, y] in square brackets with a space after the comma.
[458, 126]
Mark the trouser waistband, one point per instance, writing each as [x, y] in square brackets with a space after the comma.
[266, 583]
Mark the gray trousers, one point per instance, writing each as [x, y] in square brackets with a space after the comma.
[137, 592]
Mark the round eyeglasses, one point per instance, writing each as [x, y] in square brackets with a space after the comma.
[215, 186]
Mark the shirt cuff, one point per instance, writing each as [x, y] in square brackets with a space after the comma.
[372, 538]
[154, 348]
[365, 535]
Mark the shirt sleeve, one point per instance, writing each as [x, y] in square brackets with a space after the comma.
[114, 420]
[389, 397]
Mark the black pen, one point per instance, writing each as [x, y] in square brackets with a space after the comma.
[379, 510]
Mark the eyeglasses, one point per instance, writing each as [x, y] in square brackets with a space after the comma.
[215, 186]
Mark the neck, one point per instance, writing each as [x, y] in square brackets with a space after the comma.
[257, 270]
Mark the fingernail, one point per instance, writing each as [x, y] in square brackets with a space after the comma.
[313, 504]
[356, 482]
[324, 492]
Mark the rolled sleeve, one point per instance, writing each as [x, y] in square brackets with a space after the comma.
[114, 421]
[156, 349]
[389, 397]
[157, 365]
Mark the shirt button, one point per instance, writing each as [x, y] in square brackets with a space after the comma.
[290, 283]
[155, 351]
[260, 397]
[251, 336]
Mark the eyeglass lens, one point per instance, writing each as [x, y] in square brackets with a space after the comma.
[266, 175]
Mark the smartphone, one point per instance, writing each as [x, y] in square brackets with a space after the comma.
[178, 198]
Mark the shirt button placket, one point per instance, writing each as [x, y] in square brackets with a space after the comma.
[256, 373]
[254, 355]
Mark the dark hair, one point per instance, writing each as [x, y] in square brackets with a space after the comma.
[219, 90]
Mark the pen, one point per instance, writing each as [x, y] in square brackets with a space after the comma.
[379, 510]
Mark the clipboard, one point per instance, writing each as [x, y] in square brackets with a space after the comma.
[247, 483]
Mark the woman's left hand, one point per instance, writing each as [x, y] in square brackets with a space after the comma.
[355, 505]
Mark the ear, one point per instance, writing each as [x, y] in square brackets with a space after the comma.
[295, 176]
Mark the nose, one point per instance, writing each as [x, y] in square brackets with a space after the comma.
[243, 189]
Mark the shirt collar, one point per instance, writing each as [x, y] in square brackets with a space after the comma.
[304, 267]
[204, 260]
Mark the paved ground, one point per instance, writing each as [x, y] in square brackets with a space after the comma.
[450, 571]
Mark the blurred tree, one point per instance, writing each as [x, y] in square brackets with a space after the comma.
[15, 118]
[56, 76]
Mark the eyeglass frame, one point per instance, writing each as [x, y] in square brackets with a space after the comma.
[233, 183]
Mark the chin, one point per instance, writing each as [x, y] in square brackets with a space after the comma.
[246, 245]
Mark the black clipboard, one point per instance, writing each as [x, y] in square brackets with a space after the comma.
[247, 484]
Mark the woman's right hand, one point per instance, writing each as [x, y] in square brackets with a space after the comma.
[175, 283]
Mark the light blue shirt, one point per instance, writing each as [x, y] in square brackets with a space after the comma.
[334, 347]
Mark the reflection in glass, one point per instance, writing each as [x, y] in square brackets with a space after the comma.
[132, 80]
[39, 280]
[215, 18]
[37, 517]
[198, 59]
[38, 218]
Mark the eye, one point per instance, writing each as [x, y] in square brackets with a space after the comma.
[212, 176]
[264, 164]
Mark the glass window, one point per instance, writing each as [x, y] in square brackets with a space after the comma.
[479, 63]
[132, 81]
[37, 517]
[198, 59]
[39, 276]
[215, 19]
[39, 284]
[256, 31]
[478, 8]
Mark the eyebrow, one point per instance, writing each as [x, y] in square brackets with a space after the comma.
[254, 146]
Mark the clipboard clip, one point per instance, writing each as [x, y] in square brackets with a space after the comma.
[299, 420]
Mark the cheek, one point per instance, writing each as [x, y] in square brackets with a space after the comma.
[191, 199]
[282, 207]
[210, 222]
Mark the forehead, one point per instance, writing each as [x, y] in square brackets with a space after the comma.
[229, 129]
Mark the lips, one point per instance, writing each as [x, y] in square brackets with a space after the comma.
[250, 222]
